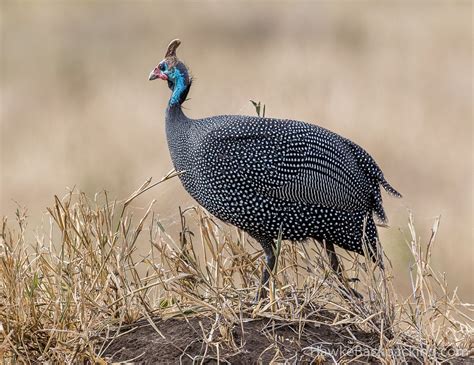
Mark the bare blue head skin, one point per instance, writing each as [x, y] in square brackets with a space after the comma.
[175, 72]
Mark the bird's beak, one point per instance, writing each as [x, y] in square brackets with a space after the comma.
[157, 74]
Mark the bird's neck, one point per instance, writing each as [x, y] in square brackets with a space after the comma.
[177, 134]
[180, 85]
[178, 91]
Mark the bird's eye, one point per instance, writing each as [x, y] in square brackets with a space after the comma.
[162, 66]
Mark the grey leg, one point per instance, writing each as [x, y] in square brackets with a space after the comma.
[268, 247]
[337, 267]
[333, 259]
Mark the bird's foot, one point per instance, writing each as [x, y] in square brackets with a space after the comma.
[350, 293]
[262, 293]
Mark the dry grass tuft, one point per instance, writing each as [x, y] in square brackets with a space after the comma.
[67, 294]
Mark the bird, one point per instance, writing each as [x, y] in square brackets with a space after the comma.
[275, 178]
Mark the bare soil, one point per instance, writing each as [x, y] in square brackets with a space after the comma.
[255, 341]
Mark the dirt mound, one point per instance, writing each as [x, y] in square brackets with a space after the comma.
[253, 341]
[68, 303]
[257, 341]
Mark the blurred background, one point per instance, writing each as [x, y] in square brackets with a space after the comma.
[78, 110]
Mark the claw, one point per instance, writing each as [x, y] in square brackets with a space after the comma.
[261, 294]
[350, 293]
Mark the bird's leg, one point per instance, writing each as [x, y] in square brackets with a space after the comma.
[333, 259]
[268, 248]
[335, 263]
[376, 255]
[337, 267]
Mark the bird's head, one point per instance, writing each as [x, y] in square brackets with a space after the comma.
[175, 72]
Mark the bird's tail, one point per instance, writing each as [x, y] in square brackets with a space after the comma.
[389, 189]
[377, 198]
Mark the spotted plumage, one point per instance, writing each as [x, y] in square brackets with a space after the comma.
[271, 176]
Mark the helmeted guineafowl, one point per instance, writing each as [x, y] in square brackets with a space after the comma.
[269, 176]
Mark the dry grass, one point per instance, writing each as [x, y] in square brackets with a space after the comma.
[66, 294]
[393, 76]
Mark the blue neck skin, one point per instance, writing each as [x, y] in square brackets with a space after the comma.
[179, 87]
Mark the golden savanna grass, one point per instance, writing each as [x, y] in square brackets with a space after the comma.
[65, 294]
[77, 108]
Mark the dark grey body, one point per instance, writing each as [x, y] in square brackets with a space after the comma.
[269, 176]
[265, 175]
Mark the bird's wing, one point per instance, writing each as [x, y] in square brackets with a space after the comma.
[306, 164]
